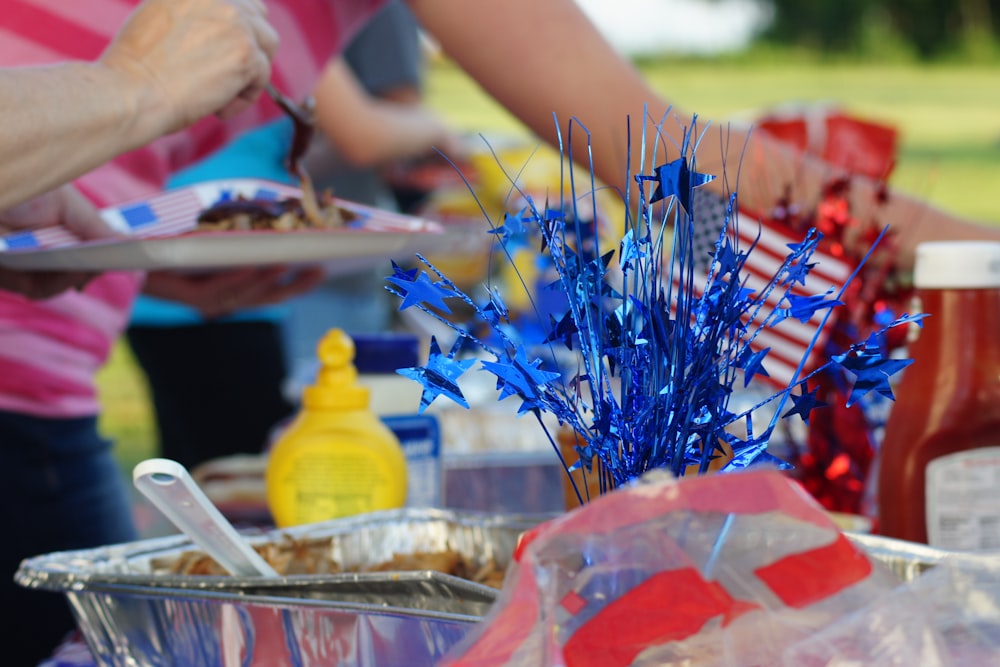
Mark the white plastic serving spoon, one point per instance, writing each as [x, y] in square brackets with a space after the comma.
[169, 486]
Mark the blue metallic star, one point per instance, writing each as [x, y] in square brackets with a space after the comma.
[804, 403]
[495, 310]
[402, 274]
[872, 373]
[632, 251]
[675, 179]
[565, 329]
[440, 376]
[521, 377]
[729, 260]
[513, 226]
[752, 364]
[803, 308]
[422, 291]
[797, 273]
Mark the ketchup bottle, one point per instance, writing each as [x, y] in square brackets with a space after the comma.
[939, 468]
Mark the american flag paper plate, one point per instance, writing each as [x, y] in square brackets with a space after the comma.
[161, 235]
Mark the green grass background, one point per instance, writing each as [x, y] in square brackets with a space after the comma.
[948, 117]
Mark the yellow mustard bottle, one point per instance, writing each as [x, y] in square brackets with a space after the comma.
[336, 458]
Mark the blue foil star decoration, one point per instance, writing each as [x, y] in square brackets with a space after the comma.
[495, 309]
[520, 377]
[631, 250]
[440, 376]
[675, 179]
[803, 308]
[562, 330]
[513, 226]
[421, 291]
[872, 372]
[403, 275]
[753, 364]
[804, 403]
[649, 343]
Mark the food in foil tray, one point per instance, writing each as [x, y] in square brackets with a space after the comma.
[288, 214]
[295, 556]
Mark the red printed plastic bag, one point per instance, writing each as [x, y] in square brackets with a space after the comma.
[858, 145]
[722, 570]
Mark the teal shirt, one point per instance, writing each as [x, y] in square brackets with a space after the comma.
[258, 153]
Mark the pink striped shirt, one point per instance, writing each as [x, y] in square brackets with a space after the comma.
[51, 350]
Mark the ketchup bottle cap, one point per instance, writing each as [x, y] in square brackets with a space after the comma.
[957, 264]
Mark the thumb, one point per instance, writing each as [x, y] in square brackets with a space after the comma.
[80, 216]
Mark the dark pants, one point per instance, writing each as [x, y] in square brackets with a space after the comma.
[60, 489]
[216, 387]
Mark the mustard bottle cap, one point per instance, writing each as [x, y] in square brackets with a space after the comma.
[336, 386]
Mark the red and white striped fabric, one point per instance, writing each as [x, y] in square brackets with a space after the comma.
[790, 340]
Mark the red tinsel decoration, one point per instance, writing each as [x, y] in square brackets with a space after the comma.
[835, 462]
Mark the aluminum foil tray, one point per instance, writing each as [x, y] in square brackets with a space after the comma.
[907, 560]
[132, 615]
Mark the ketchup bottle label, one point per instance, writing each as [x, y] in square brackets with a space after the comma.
[963, 500]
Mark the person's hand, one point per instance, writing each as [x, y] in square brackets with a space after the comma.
[221, 293]
[200, 56]
[64, 206]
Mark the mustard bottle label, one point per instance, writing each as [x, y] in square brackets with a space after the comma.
[332, 480]
[963, 500]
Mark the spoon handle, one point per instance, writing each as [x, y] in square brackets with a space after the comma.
[169, 486]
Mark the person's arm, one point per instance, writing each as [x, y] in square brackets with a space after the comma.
[173, 62]
[544, 58]
[368, 131]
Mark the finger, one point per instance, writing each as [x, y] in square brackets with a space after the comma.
[38, 285]
[196, 291]
[306, 279]
[81, 217]
[223, 293]
[255, 291]
[263, 49]
[274, 288]
[258, 80]
[255, 5]
[299, 283]
[267, 37]
[303, 281]
[229, 280]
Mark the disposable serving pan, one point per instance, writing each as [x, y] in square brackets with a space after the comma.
[132, 615]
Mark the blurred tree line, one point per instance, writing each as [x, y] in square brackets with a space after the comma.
[929, 28]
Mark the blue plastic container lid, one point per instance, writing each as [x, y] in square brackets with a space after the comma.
[385, 352]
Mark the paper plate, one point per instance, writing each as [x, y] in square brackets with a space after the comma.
[163, 236]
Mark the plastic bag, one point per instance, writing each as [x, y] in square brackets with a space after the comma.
[859, 145]
[722, 570]
[948, 617]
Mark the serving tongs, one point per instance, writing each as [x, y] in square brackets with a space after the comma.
[304, 120]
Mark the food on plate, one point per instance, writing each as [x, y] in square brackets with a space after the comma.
[291, 556]
[244, 214]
